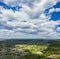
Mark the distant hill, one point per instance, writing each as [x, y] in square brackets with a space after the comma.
[27, 41]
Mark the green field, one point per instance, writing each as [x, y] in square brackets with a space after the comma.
[31, 51]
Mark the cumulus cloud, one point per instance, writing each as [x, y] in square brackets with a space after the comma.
[29, 21]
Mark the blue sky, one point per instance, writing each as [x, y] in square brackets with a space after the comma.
[30, 19]
[54, 15]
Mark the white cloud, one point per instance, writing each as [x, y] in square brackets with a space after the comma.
[58, 29]
[30, 21]
[54, 10]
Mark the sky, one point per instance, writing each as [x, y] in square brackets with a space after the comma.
[30, 19]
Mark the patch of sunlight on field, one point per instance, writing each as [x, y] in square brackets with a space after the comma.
[31, 48]
[54, 56]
